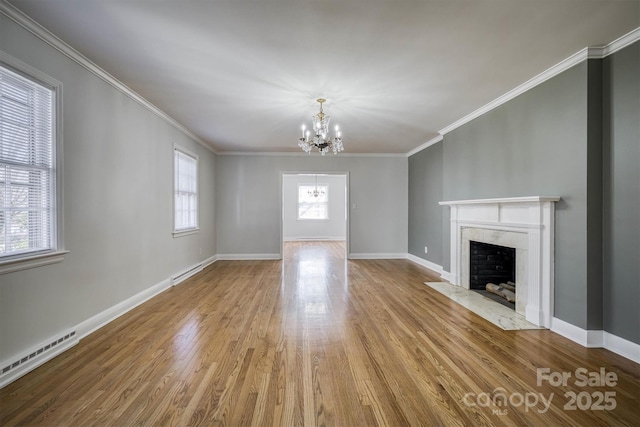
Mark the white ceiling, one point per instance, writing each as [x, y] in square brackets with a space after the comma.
[243, 75]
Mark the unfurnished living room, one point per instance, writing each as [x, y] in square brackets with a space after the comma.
[319, 213]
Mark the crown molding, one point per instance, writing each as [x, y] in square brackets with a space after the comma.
[574, 59]
[301, 154]
[596, 52]
[427, 144]
[17, 16]
[622, 42]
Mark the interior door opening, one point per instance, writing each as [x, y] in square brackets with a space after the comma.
[314, 208]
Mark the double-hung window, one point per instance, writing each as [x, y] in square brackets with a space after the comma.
[313, 202]
[28, 208]
[185, 191]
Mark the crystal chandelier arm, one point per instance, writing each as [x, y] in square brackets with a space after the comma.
[321, 139]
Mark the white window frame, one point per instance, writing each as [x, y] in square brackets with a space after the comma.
[324, 187]
[55, 253]
[194, 228]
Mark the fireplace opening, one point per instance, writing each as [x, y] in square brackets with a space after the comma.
[492, 272]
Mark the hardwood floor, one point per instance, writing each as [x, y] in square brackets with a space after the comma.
[317, 340]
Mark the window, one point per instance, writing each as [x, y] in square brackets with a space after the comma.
[28, 175]
[186, 191]
[313, 202]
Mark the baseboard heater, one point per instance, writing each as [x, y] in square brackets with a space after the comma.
[41, 353]
[186, 274]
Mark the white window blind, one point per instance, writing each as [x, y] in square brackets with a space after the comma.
[186, 191]
[27, 172]
[310, 206]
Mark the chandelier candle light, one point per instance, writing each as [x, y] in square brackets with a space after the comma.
[320, 139]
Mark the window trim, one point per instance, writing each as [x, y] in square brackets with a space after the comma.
[326, 189]
[57, 252]
[190, 230]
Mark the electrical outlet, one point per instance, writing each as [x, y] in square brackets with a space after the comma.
[426, 250]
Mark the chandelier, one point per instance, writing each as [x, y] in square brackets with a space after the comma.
[315, 193]
[320, 139]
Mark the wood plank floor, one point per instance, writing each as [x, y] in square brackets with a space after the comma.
[317, 340]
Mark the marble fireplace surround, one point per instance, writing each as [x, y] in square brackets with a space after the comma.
[524, 223]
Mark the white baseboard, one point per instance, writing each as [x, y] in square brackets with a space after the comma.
[313, 239]
[621, 346]
[34, 360]
[85, 328]
[112, 313]
[597, 339]
[376, 256]
[426, 263]
[448, 277]
[445, 275]
[207, 262]
[248, 257]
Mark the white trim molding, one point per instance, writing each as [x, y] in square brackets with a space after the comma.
[36, 356]
[88, 326]
[597, 339]
[621, 42]
[303, 154]
[52, 40]
[595, 52]
[426, 263]
[315, 239]
[207, 262]
[372, 255]
[24, 263]
[426, 145]
[96, 322]
[531, 216]
[621, 346]
[586, 338]
[57, 252]
[248, 257]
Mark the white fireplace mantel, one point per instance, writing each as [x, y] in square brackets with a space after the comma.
[534, 217]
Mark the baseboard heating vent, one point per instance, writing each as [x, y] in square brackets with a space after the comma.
[42, 351]
[186, 274]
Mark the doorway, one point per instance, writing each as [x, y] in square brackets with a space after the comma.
[314, 208]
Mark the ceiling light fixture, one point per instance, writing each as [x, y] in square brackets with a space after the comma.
[320, 139]
[315, 193]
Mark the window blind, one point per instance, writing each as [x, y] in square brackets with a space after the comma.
[186, 191]
[27, 173]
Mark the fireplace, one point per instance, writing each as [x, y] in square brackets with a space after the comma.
[491, 264]
[523, 223]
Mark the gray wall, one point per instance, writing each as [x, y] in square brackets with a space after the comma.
[576, 136]
[535, 144]
[621, 158]
[425, 215]
[118, 218]
[333, 228]
[248, 201]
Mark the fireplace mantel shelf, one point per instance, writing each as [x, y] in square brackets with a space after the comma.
[504, 200]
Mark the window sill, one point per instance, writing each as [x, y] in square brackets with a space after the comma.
[186, 232]
[33, 261]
